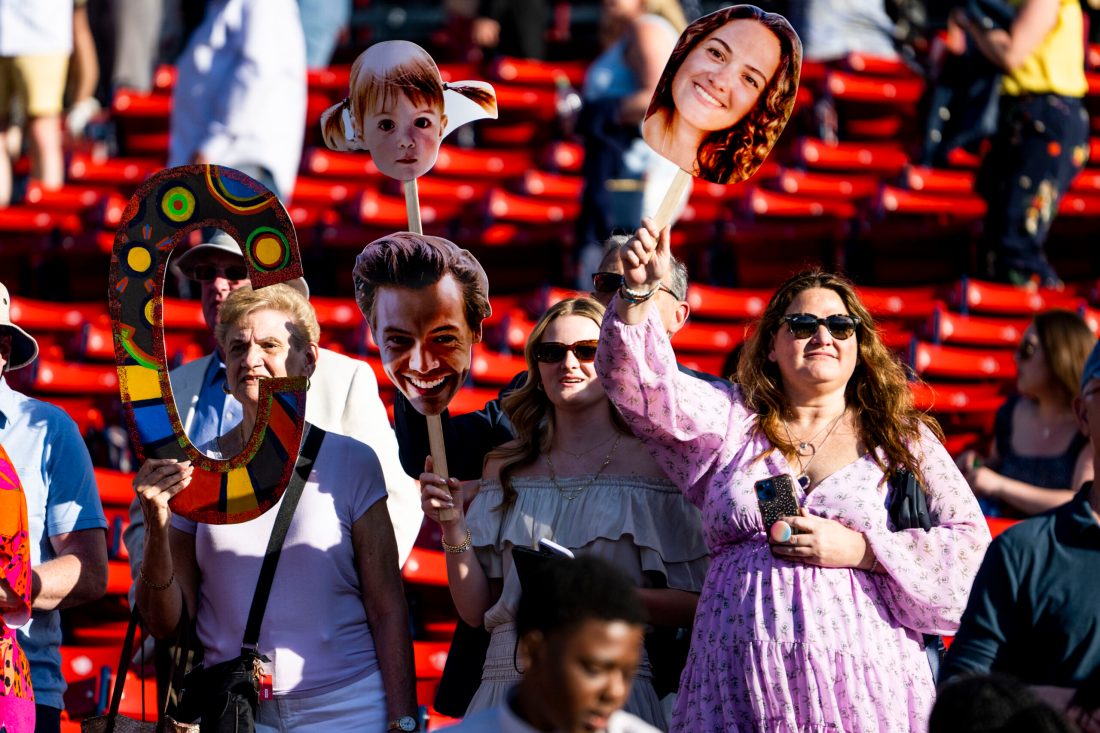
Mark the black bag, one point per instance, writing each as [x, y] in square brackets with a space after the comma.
[226, 696]
[907, 508]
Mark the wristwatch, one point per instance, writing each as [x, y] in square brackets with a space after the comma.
[405, 723]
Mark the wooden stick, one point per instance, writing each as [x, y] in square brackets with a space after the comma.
[672, 198]
[435, 425]
[412, 207]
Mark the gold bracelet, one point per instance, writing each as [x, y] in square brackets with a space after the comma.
[151, 584]
[460, 548]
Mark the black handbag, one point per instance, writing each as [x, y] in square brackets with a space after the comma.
[907, 508]
[226, 696]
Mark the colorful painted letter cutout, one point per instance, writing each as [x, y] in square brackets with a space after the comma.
[726, 93]
[162, 211]
[399, 109]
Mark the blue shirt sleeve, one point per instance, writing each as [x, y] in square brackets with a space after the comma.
[72, 502]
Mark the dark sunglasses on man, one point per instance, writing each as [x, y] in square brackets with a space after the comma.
[553, 352]
[805, 325]
[609, 282]
[206, 273]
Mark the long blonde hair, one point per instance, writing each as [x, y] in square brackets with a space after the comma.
[529, 409]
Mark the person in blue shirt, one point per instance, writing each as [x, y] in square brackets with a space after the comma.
[1034, 609]
[64, 513]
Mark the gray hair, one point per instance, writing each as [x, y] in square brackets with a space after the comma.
[677, 278]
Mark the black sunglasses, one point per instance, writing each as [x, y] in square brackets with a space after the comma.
[552, 352]
[609, 282]
[1026, 350]
[805, 325]
[206, 273]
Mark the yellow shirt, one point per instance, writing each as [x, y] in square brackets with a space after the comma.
[1057, 66]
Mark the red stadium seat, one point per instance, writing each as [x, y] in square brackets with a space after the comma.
[41, 315]
[61, 377]
[442, 190]
[389, 212]
[864, 89]
[482, 163]
[115, 487]
[883, 159]
[711, 338]
[956, 205]
[425, 567]
[336, 164]
[952, 362]
[939, 180]
[550, 185]
[86, 412]
[535, 72]
[124, 173]
[509, 207]
[957, 397]
[811, 184]
[914, 303]
[726, 304]
[764, 203]
[526, 103]
[490, 368]
[978, 296]
[135, 104]
[946, 327]
[563, 157]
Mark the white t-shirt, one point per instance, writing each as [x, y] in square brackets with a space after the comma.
[34, 27]
[315, 626]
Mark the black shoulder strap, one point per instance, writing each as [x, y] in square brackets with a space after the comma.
[278, 533]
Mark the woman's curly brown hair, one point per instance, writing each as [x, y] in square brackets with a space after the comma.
[878, 391]
[734, 154]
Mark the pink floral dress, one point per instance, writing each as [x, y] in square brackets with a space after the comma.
[784, 646]
[16, 695]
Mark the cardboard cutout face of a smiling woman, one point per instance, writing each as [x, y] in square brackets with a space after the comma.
[726, 93]
[424, 299]
[399, 109]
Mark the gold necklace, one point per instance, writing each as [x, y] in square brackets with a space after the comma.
[803, 477]
[571, 494]
[585, 453]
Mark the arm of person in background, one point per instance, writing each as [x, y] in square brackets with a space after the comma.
[925, 577]
[387, 613]
[468, 437]
[647, 51]
[1025, 497]
[1009, 49]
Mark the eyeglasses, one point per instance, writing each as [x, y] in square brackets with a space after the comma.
[805, 325]
[552, 352]
[1026, 350]
[206, 273]
[609, 282]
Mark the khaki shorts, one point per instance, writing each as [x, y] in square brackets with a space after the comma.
[37, 80]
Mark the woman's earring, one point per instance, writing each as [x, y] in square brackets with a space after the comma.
[225, 388]
[308, 384]
[539, 387]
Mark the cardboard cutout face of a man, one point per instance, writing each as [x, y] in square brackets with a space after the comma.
[425, 299]
[726, 93]
[399, 109]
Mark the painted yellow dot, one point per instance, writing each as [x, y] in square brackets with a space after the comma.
[139, 259]
[269, 251]
[149, 311]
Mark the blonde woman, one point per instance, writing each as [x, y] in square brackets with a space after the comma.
[574, 474]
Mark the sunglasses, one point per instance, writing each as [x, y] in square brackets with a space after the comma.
[206, 273]
[609, 282]
[552, 352]
[805, 325]
[1025, 350]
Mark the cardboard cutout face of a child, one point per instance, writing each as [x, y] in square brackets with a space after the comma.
[726, 93]
[425, 299]
[399, 109]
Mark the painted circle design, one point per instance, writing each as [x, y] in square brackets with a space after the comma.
[149, 310]
[178, 204]
[139, 259]
[269, 249]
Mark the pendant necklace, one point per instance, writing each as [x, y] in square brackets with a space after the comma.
[571, 494]
[806, 448]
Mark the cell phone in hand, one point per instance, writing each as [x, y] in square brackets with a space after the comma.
[776, 498]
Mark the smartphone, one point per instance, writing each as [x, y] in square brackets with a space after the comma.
[553, 548]
[776, 498]
[529, 562]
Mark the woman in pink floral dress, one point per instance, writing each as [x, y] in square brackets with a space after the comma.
[819, 629]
